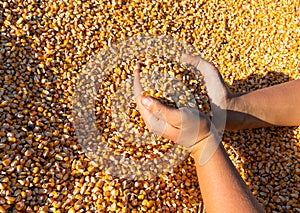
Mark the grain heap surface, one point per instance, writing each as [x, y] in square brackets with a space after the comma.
[44, 46]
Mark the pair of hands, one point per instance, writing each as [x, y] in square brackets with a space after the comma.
[221, 186]
[185, 126]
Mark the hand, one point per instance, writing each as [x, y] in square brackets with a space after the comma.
[217, 89]
[184, 126]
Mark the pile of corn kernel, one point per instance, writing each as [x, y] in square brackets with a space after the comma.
[44, 46]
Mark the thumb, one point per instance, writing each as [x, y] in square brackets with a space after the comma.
[147, 102]
[161, 111]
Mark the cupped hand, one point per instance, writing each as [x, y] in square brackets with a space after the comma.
[184, 126]
[218, 92]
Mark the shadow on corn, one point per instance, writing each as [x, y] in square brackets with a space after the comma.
[267, 158]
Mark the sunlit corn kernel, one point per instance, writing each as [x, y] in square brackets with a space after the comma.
[236, 42]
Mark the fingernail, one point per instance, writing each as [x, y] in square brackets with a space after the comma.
[137, 66]
[146, 101]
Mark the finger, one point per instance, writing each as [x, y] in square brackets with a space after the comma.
[137, 87]
[170, 115]
[157, 124]
[162, 128]
[197, 61]
[190, 127]
[146, 114]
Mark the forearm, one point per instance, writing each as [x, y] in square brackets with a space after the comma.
[278, 105]
[222, 188]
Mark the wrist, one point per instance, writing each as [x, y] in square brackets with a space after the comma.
[206, 135]
[236, 103]
[205, 149]
[236, 113]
